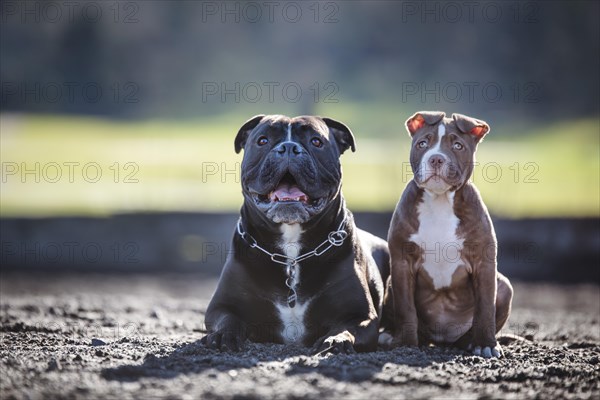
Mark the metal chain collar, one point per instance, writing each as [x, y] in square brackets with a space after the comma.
[334, 238]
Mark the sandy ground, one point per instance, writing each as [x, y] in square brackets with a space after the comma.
[91, 336]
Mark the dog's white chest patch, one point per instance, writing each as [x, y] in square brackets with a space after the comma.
[290, 239]
[437, 237]
[292, 321]
[290, 246]
[292, 318]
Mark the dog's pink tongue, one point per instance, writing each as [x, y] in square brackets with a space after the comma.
[285, 192]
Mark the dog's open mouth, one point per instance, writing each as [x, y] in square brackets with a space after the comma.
[287, 191]
[289, 201]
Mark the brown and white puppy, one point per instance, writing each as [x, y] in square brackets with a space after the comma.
[444, 281]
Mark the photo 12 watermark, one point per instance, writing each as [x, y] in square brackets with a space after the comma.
[197, 249]
[90, 332]
[453, 12]
[69, 172]
[69, 252]
[70, 92]
[471, 92]
[220, 172]
[269, 92]
[291, 12]
[488, 172]
[58, 12]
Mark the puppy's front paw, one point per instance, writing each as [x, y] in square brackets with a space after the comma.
[405, 334]
[489, 351]
[342, 343]
[223, 341]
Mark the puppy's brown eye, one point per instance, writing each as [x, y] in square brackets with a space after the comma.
[262, 141]
[316, 142]
[457, 146]
[422, 144]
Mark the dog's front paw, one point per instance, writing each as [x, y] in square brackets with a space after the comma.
[223, 341]
[342, 343]
[488, 351]
[404, 342]
[385, 340]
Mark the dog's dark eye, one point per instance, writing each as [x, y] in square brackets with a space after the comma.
[316, 142]
[457, 146]
[422, 144]
[262, 141]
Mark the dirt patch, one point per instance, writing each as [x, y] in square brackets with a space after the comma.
[91, 336]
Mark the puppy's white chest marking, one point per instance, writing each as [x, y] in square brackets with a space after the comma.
[437, 237]
[292, 319]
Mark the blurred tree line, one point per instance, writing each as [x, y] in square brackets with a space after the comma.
[193, 59]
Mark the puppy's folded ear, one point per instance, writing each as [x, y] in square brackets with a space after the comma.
[342, 134]
[422, 118]
[472, 126]
[242, 135]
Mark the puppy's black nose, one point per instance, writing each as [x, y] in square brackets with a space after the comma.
[289, 148]
[436, 161]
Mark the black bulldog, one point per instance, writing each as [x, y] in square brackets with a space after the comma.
[300, 271]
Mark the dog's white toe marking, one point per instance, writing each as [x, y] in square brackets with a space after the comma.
[489, 352]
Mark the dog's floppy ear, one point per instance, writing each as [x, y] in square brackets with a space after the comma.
[422, 118]
[342, 134]
[472, 126]
[242, 135]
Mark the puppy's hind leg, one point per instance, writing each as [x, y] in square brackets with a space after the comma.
[504, 297]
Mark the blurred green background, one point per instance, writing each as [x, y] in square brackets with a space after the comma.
[149, 95]
[551, 171]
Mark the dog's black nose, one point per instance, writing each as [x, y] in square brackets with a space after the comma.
[436, 161]
[289, 148]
